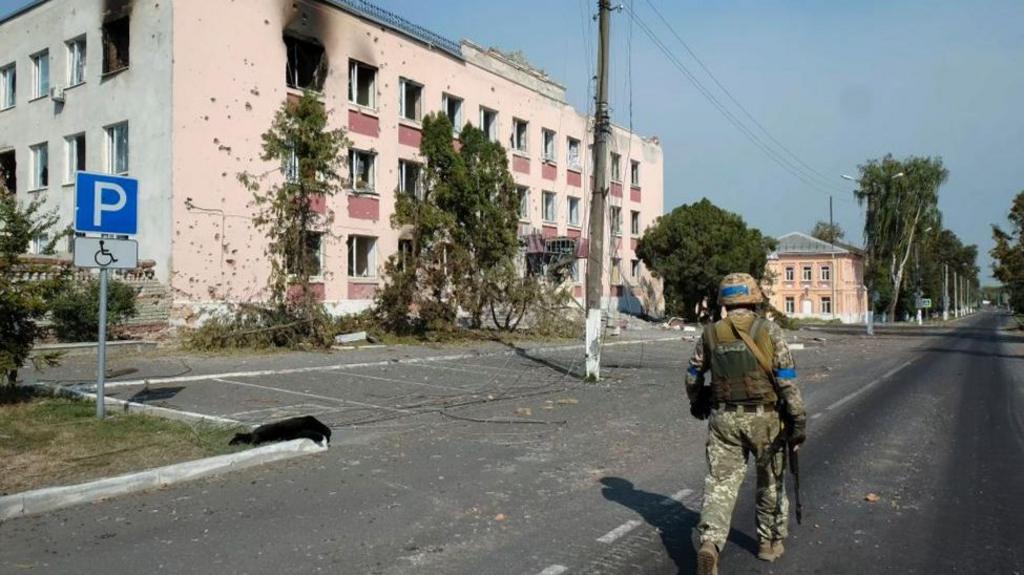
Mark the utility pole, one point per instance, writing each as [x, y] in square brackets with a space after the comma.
[595, 255]
[956, 298]
[945, 292]
[835, 271]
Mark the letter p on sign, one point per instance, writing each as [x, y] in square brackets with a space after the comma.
[106, 204]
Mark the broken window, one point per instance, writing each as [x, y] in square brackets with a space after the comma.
[549, 207]
[8, 171]
[8, 86]
[574, 211]
[573, 155]
[616, 169]
[41, 74]
[76, 61]
[410, 179]
[74, 156]
[634, 222]
[306, 68]
[360, 170]
[524, 202]
[362, 84]
[310, 258]
[117, 148]
[412, 97]
[616, 220]
[634, 268]
[453, 109]
[115, 45]
[549, 145]
[489, 123]
[40, 166]
[634, 173]
[517, 140]
[362, 257]
[404, 252]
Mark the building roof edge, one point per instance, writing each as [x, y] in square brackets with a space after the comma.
[20, 11]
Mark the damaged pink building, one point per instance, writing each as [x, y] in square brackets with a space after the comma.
[177, 95]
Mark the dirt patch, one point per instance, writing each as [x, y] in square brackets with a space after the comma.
[49, 441]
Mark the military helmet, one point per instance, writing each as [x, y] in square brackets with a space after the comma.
[739, 289]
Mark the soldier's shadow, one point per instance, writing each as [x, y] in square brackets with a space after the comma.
[673, 520]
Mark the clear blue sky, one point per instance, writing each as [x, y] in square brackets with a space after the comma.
[836, 82]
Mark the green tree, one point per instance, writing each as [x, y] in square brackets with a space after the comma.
[23, 302]
[902, 202]
[1008, 253]
[310, 154]
[827, 232]
[694, 246]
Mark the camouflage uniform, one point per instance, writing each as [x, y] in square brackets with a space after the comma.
[734, 435]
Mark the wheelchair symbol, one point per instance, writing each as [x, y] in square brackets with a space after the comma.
[103, 257]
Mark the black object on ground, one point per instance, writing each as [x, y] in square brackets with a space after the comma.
[306, 427]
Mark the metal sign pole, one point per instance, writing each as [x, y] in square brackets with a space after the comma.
[101, 368]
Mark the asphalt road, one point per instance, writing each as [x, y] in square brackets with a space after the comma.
[930, 420]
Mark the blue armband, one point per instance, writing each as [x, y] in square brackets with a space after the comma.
[788, 373]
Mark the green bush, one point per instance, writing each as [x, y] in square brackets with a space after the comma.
[75, 310]
[254, 326]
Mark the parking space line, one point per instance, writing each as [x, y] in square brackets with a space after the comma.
[554, 570]
[401, 381]
[677, 497]
[313, 395]
[619, 531]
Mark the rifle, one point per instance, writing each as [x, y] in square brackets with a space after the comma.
[794, 468]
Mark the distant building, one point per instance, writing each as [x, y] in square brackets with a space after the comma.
[816, 279]
[177, 95]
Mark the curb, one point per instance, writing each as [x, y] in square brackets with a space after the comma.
[54, 498]
[91, 347]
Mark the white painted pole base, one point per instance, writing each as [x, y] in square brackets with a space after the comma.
[593, 344]
[871, 322]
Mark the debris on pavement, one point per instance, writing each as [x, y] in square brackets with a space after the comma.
[524, 411]
[872, 498]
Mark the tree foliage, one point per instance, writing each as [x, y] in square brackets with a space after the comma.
[827, 232]
[23, 303]
[902, 199]
[694, 246]
[1009, 253]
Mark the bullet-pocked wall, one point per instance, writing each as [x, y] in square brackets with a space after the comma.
[92, 89]
[229, 81]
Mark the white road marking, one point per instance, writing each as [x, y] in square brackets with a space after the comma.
[677, 497]
[816, 415]
[875, 382]
[554, 570]
[619, 531]
[314, 396]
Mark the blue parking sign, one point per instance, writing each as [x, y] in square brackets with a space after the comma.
[106, 204]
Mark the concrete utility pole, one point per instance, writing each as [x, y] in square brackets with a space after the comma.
[945, 292]
[595, 255]
[956, 298]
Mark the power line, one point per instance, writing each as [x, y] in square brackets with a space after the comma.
[772, 154]
[826, 179]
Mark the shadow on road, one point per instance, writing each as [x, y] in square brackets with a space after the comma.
[673, 520]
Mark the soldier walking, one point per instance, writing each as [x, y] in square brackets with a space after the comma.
[752, 389]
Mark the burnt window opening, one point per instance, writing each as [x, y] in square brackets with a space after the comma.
[307, 64]
[115, 45]
[8, 171]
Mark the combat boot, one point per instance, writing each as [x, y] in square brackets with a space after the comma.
[770, 550]
[707, 559]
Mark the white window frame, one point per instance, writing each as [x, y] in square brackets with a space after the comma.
[448, 99]
[572, 214]
[8, 86]
[354, 78]
[519, 139]
[352, 244]
[403, 167]
[826, 301]
[789, 305]
[290, 167]
[113, 148]
[76, 61]
[40, 74]
[615, 219]
[550, 145]
[789, 273]
[524, 203]
[634, 173]
[572, 154]
[417, 113]
[549, 207]
[39, 155]
[356, 160]
[634, 223]
[616, 168]
[71, 152]
[321, 261]
[490, 129]
[807, 273]
[39, 242]
[825, 273]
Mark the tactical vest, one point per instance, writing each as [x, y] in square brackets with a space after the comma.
[736, 377]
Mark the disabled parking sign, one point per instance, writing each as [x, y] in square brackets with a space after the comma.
[106, 204]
